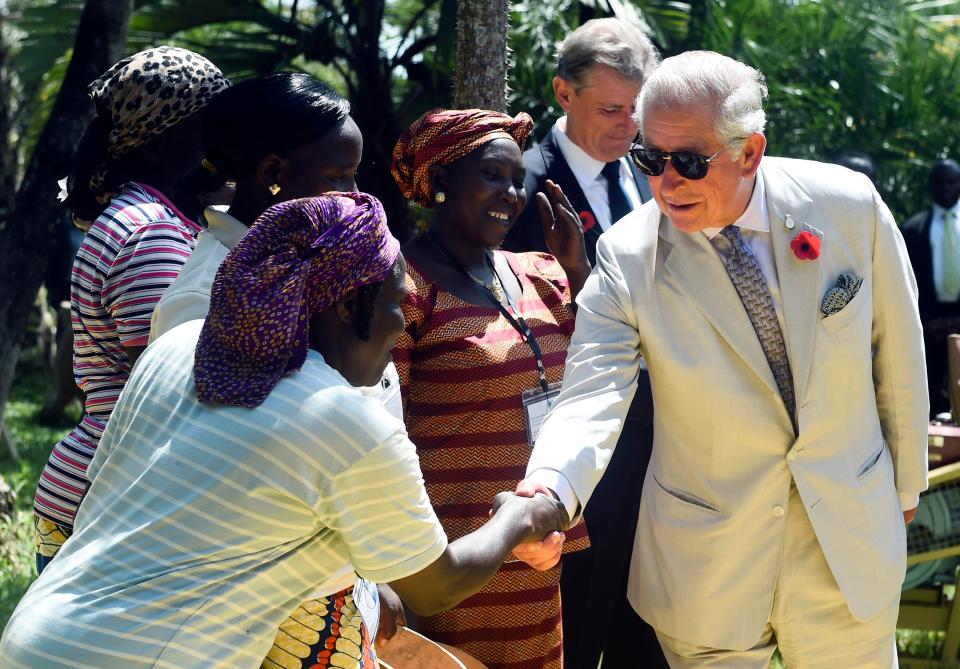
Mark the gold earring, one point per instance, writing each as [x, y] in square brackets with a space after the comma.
[440, 197]
[274, 189]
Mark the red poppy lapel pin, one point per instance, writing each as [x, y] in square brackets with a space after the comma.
[588, 219]
[806, 244]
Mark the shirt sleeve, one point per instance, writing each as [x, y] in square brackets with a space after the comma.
[149, 261]
[558, 483]
[175, 309]
[417, 307]
[379, 508]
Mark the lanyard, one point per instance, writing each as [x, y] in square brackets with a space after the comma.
[510, 312]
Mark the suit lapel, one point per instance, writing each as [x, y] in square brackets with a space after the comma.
[559, 172]
[694, 262]
[800, 280]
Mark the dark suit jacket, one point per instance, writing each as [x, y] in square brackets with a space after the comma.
[545, 161]
[916, 235]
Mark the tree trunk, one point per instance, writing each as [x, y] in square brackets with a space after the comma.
[480, 79]
[26, 233]
[8, 160]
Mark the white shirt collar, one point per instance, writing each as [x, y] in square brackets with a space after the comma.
[227, 229]
[584, 167]
[939, 211]
[755, 216]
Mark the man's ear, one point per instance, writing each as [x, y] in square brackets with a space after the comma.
[271, 171]
[563, 92]
[752, 152]
[346, 306]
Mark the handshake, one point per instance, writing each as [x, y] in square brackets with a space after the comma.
[543, 518]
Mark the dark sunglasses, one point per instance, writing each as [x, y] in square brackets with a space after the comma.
[689, 165]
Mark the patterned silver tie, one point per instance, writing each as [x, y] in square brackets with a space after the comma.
[755, 295]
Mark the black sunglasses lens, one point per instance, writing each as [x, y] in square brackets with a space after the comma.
[650, 162]
[689, 165]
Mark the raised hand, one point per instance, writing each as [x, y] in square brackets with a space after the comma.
[563, 232]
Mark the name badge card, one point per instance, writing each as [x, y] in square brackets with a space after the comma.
[367, 600]
[536, 406]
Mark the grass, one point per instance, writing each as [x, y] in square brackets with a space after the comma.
[34, 441]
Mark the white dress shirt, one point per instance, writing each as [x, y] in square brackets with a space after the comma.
[754, 224]
[586, 170]
[936, 248]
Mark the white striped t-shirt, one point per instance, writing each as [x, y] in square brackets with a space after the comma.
[205, 526]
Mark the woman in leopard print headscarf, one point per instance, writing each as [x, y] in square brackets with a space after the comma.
[130, 165]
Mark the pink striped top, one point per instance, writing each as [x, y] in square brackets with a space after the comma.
[131, 253]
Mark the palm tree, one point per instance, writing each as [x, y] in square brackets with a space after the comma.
[482, 55]
[26, 231]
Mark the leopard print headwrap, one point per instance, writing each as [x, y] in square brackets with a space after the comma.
[147, 93]
[443, 136]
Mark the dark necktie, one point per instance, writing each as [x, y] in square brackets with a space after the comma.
[617, 199]
[755, 295]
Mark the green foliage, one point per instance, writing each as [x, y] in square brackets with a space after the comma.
[34, 440]
[881, 77]
[876, 75]
[537, 28]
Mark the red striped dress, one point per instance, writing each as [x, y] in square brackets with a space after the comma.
[462, 370]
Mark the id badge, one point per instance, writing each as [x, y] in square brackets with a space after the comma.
[536, 406]
[367, 600]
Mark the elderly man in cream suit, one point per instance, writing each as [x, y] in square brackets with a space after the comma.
[775, 307]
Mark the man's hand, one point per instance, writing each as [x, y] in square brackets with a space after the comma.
[391, 615]
[909, 515]
[543, 554]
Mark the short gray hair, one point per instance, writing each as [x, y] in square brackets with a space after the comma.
[735, 91]
[611, 42]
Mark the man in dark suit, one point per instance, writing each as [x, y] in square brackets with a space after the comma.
[933, 242]
[600, 69]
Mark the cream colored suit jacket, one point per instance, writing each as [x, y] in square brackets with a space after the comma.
[711, 522]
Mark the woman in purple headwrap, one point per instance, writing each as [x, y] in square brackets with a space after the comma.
[243, 467]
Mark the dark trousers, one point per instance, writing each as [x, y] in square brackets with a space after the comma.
[597, 618]
[937, 372]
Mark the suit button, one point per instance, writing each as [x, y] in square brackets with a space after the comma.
[778, 511]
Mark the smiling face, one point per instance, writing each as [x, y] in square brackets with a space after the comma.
[485, 193]
[723, 194]
[600, 116]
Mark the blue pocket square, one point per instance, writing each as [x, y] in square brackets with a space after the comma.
[840, 295]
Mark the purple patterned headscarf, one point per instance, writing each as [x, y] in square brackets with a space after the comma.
[299, 258]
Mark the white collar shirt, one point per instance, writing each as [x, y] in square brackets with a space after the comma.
[754, 224]
[586, 170]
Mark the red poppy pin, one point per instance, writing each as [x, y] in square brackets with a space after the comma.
[588, 219]
[806, 245]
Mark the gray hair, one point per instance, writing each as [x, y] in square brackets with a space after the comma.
[735, 91]
[611, 42]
